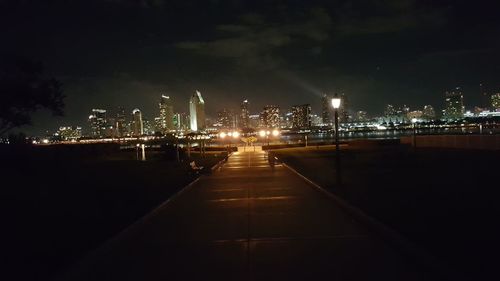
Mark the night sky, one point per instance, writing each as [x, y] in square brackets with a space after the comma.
[128, 53]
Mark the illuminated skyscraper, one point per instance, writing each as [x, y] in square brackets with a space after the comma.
[148, 127]
[197, 112]
[428, 113]
[389, 111]
[454, 105]
[270, 117]
[224, 119]
[120, 122]
[301, 116]
[326, 109]
[70, 133]
[344, 109]
[361, 116]
[166, 114]
[244, 115]
[97, 122]
[495, 102]
[254, 120]
[137, 125]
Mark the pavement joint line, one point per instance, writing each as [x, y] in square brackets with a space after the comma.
[253, 198]
[227, 190]
[391, 236]
[271, 239]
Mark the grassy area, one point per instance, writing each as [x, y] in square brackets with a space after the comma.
[444, 200]
[58, 206]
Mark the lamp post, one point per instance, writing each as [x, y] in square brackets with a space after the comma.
[236, 135]
[414, 122]
[137, 151]
[177, 147]
[336, 105]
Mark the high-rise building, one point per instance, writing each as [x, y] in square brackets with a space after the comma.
[254, 120]
[344, 116]
[97, 122]
[389, 110]
[402, 113]
[394, 114]
[301, 116]
[121, 122]
[287, 120]
[197, 112]
[224, 119]
[270, 117]
[418, 114]
[137, 125]
[158, 124]
[166, 114]
[428, 113]
[454, 105]
[70, 133]
[361, 116]
[244, 115]
[495, 102]
[148, 127]
[316, 120]
[326, 109]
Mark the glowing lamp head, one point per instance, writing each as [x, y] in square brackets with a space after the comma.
[262, 133]
[276, 133]
[268, 133]
[222, 135]
[236, 135]
[336, 102]
[414, 120]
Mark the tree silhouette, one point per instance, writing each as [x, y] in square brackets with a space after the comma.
[24, 90]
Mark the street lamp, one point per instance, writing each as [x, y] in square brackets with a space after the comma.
[414, 122]
[336, 105]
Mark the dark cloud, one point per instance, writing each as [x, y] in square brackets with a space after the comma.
[255, 41]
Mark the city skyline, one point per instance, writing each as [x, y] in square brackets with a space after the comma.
[114, 123]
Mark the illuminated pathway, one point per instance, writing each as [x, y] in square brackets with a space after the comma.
[246, 222]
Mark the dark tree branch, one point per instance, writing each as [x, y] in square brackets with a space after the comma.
[24, 90]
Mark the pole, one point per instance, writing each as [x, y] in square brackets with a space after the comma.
[337, 149]
[177, 148]
[415, 135]
[305, 136]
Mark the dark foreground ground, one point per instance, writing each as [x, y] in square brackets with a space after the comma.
[57, 204]
[445, 201]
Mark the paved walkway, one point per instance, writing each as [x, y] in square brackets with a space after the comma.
[247, 222]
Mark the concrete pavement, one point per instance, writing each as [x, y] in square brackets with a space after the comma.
[247, 222]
